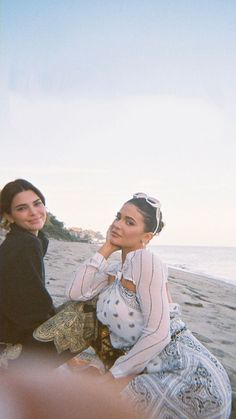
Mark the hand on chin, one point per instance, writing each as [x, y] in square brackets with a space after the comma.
[116, 242]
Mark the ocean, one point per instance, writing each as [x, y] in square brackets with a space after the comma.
[216, 262]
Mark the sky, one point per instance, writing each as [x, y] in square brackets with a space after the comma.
[102, 99]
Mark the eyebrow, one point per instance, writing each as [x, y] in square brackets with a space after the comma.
[126, 217]
[25, 205]
[130, 218]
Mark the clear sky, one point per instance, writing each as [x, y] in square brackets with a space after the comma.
[105, 98]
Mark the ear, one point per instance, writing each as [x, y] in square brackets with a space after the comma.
[8, 217]
[147, 237]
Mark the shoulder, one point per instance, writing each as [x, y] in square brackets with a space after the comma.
[20, 241]
[44, 241]
[143, 256]
[143, 262]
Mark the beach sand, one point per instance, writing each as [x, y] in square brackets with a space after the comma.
[208, 305]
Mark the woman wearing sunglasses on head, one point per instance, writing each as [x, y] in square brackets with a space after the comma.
[163, 370]
[24, 301]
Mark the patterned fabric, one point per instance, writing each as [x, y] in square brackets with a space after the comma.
[74, 327]
[176, 376]
[185, 381]
[150, 333]
[124, 305]
[9, 352]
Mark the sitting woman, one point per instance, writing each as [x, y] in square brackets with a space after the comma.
[24, 300]
[163, 370]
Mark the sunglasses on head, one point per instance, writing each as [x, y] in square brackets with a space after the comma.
[154, 203]
[149, 199]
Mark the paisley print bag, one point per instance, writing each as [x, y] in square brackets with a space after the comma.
[76, 327]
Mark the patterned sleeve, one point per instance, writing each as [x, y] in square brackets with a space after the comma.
[89, 280]
[149, 274]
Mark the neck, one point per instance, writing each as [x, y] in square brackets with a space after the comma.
[126, 250]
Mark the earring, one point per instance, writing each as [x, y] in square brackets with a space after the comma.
[6, 224]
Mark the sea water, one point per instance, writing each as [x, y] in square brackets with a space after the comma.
[218, 262]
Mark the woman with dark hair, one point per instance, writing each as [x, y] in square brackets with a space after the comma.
[24, 301]
[163, 370]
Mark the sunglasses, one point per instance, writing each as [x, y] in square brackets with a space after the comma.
[153, 202]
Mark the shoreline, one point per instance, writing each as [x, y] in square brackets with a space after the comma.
[218, 263]
[185, 272]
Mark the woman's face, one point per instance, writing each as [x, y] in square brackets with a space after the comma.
[127, 230]
[28, 211]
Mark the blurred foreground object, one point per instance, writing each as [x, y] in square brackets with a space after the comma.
[43, 394]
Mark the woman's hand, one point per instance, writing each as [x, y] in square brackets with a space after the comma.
[108, 247]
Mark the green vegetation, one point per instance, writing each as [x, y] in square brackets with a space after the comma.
[55, 229]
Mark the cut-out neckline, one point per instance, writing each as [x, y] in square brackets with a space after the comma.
[133, 291]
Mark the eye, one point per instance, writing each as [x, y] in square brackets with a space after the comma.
[130, 222]
[117, 217]
[20, 209]
[38, 204]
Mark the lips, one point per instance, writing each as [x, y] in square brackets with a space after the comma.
[37, 220]
[114, 234]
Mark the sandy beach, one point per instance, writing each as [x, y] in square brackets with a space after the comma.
[208, 305]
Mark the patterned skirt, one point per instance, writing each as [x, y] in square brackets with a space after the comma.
[185, 381]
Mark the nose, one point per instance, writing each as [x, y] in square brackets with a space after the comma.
[117, 223]
[32, 210]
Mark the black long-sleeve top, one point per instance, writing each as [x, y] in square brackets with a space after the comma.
[24, 301]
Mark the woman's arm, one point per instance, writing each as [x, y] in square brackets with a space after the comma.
[150, 278]
[24, 298]
[91, 276]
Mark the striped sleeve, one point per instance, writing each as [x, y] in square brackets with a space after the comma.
[90, 278]
[149, 275]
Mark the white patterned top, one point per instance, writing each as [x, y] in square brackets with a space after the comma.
[138, 321]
